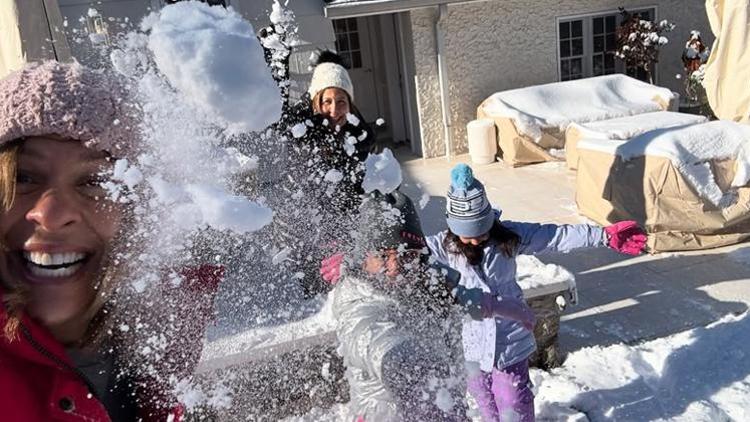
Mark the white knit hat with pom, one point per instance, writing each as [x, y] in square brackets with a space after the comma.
[330, 75]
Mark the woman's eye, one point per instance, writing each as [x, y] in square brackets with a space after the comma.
[23, 178]
[92, 186]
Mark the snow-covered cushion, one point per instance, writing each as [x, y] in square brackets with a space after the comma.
[556, 105]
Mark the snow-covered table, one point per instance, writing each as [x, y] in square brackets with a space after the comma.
[687, 185]
[622, 129]
[531, 121]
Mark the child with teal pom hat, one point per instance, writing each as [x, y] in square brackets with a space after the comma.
[499, 340]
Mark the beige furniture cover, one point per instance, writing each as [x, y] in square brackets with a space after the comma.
[727, 79]
[622, 128]
[531, 121]
[652, 191]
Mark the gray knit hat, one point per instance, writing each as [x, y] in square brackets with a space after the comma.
[67, 100]
[468, 212]
[388, 222]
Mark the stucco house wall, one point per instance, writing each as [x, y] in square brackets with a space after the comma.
[497, 45]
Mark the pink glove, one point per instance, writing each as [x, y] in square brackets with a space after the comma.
[626, 237]
[330, 268]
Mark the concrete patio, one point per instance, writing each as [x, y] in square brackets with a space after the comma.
[621, 298]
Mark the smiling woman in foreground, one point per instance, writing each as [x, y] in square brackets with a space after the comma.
[60, 125]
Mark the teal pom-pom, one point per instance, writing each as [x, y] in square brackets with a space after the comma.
[462, 177]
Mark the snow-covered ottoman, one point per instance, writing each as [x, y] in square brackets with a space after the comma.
[687, 185]
[622, 128]
[531, 121]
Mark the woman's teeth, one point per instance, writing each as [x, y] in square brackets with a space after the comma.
[42, 264]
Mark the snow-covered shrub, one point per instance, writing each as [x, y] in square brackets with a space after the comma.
[638, 41]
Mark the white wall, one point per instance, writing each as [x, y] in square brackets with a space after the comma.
[504, 44]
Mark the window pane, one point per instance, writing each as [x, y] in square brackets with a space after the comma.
[645, 15]
[597, 64]
[565, 68]
[564, 30]
[565, 48]
[576, 67]
[354, 41]
[577, 47]
[609, 63]
[339, 25]
[611, 42]
[352, 24]
[598, 25]
[356, 59]
[598, 43]
[342, 43]
[576, 28]
[611, 25]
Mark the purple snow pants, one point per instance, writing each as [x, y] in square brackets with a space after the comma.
[504, 394]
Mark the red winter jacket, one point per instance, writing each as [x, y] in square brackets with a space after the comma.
[38, 382]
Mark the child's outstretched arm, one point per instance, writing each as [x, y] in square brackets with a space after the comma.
[625, 237]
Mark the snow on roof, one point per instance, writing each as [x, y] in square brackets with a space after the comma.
[690, 148]
[556, 105]
[622, 128]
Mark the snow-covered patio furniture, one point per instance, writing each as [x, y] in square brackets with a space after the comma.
[531, 121]
[687, 185]
[622, 129]
[296, 363]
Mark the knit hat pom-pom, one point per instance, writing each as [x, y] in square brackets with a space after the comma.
[462, 177]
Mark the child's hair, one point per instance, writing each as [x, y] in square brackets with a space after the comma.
[504, 238]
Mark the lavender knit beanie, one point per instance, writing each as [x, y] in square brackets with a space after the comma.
[70, 101]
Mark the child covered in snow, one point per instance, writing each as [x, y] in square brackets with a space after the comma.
[397, 333]
[483, 249]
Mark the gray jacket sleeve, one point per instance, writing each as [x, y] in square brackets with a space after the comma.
[536, 238]
[364, 328]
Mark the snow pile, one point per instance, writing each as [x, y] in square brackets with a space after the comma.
[212, 56]
[531, 273]
[691, 148]
[556, 105]
[697, 375]
[627, 127]
[382, 173]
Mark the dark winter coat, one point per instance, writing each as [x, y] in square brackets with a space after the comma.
[323, 148]
[40, 383]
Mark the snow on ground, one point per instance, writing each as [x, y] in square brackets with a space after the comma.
[697, 375]
[700, 375]
[623, 128]
[556, 105]
[690, 148]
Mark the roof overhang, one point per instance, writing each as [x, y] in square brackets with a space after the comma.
[353, 9]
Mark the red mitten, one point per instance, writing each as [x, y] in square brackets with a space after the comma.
[627, 237]
[330, 268]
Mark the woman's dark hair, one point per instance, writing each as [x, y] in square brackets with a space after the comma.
[504, 238]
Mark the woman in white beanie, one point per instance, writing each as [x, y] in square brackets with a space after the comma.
[330, 141]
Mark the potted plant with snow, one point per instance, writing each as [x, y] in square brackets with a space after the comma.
[638, 42]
